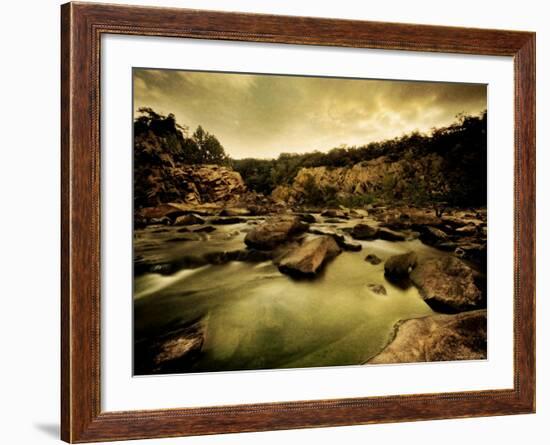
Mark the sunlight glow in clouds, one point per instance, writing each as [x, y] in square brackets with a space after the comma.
[258, 115]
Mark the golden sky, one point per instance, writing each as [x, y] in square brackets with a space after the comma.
[262, 116]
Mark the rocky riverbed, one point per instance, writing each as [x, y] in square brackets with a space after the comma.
[250, 287]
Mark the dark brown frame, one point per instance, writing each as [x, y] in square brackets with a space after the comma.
[81, 27]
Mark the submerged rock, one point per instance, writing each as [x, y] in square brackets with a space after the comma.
[245, 255]
[183, 238]
[438, 337]
[364, 232]
[307, 259]
[274, 232]
[228, 220]
[205, 229]
[377, 289]
[398, 267]
[373, 259]
[448, 285]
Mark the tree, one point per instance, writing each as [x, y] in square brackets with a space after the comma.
[201, 148]
[210, 150]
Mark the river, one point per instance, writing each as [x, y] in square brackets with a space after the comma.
[255, 317]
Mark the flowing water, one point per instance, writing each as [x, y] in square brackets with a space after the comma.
[254, 317]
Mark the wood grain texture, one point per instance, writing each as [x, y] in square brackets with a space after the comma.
[82, 27]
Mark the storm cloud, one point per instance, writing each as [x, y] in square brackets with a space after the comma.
[261, 116]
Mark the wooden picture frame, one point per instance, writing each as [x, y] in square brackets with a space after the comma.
[82, 26]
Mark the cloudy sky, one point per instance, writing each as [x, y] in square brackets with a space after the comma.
[264, 115]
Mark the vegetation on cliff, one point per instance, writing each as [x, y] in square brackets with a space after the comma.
[447, 166]
[171, 166]
[199, 148]
[455, 160]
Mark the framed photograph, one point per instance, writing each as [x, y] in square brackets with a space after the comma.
[274, 222]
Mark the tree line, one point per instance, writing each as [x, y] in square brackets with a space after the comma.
[462, 146]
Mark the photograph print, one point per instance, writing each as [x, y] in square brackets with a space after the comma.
[286, 221]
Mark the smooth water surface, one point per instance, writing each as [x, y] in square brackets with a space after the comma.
[257, 318]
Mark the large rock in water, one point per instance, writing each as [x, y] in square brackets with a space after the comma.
[188, 220]
[398, 267]
[274, 232]
[448, 285]
[175, 351]
[391, 235]
[364, 232]
[307, 259]
[433, 236]
[438, 337]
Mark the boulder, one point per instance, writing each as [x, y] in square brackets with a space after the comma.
[179, 346]
[373, 259]
[140, 223]
[348, 245]
[307, 217]
[473, 252]
[188, 220]
[377, 289]
[438, 337]
[447, 246]
[274, 231]
[364, 232]
[448, 285]
[308, 259]
[175, 351]
[341, 240]
[432, 236]
[391, 235]
[398, 267]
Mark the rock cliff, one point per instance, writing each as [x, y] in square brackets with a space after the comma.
[407, 177]
[158, 178]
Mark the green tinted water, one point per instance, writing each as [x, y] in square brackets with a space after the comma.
[258, 318]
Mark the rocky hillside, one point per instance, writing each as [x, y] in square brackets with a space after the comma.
[159, 177]
[406, 178]
[446, 166]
